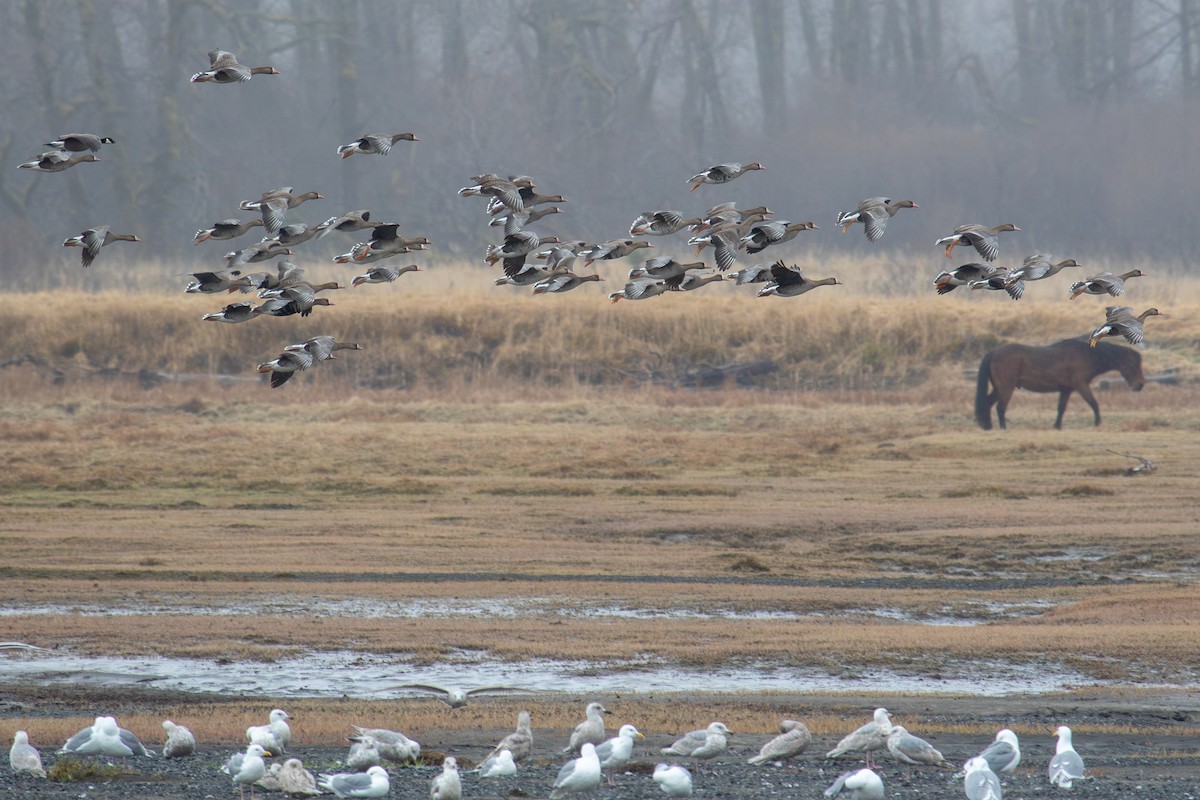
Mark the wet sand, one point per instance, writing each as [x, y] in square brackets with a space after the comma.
[1158, 759]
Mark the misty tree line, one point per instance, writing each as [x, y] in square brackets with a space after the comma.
[1071, 118]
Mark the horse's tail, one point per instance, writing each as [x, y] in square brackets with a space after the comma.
[983, 409]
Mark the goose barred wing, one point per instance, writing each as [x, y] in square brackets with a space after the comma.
[875, 219]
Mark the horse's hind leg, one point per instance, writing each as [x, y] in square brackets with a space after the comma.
[1002, 396]
[1063, 397]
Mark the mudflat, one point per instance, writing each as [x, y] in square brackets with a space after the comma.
[1134, 744]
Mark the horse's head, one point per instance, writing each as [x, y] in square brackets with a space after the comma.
[1129, 362]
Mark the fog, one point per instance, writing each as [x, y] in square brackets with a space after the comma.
[1074, 119]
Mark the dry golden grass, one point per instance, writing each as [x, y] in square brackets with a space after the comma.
[449, 329]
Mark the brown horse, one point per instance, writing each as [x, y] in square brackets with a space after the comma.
[1063, 367]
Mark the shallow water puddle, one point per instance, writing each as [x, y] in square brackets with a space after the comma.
[975, 613]
[373, 677]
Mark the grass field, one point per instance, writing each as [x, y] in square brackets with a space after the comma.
[853, 492]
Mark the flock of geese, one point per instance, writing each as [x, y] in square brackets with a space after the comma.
[546, 263]
[595, 756]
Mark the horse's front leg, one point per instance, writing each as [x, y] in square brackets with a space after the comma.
[1063, 396]
[1086, 393]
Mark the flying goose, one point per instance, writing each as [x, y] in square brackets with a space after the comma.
[281, 368]
[1121, 321]
[985, 240]
[660, 223]
[93, 239]
[383, 274]
[225, 229]
[963, 275]
[273, 205]
[764, 234]
[234, 312]
[565, 282]
[216, 282]
[789, 282]
[722, 173]
[374, 143]
[1104, 283]
[79, 142]
[56, 161]
[223, 67]
[873, 213]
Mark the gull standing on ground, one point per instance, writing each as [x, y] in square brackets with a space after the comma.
[911, 749]
[862, 784]
[392, 745]
[615, 753]
[180, 741]
[24, 757]
[870, 737]
[275, 736]
[1003, 754]
[591, 730]
[105, 738]
[246, 768]
[447, 786]
[674, 780]
[520, 742]
[792, 741]
[500, 765]
[1066, 766]
[372, 783]
[457, 698]
[578, 775]
[980, 783]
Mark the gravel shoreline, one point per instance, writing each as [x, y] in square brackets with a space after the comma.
[1156, 762]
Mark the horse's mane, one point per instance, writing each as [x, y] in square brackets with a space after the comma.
[1109, 352]
[1118, 354]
